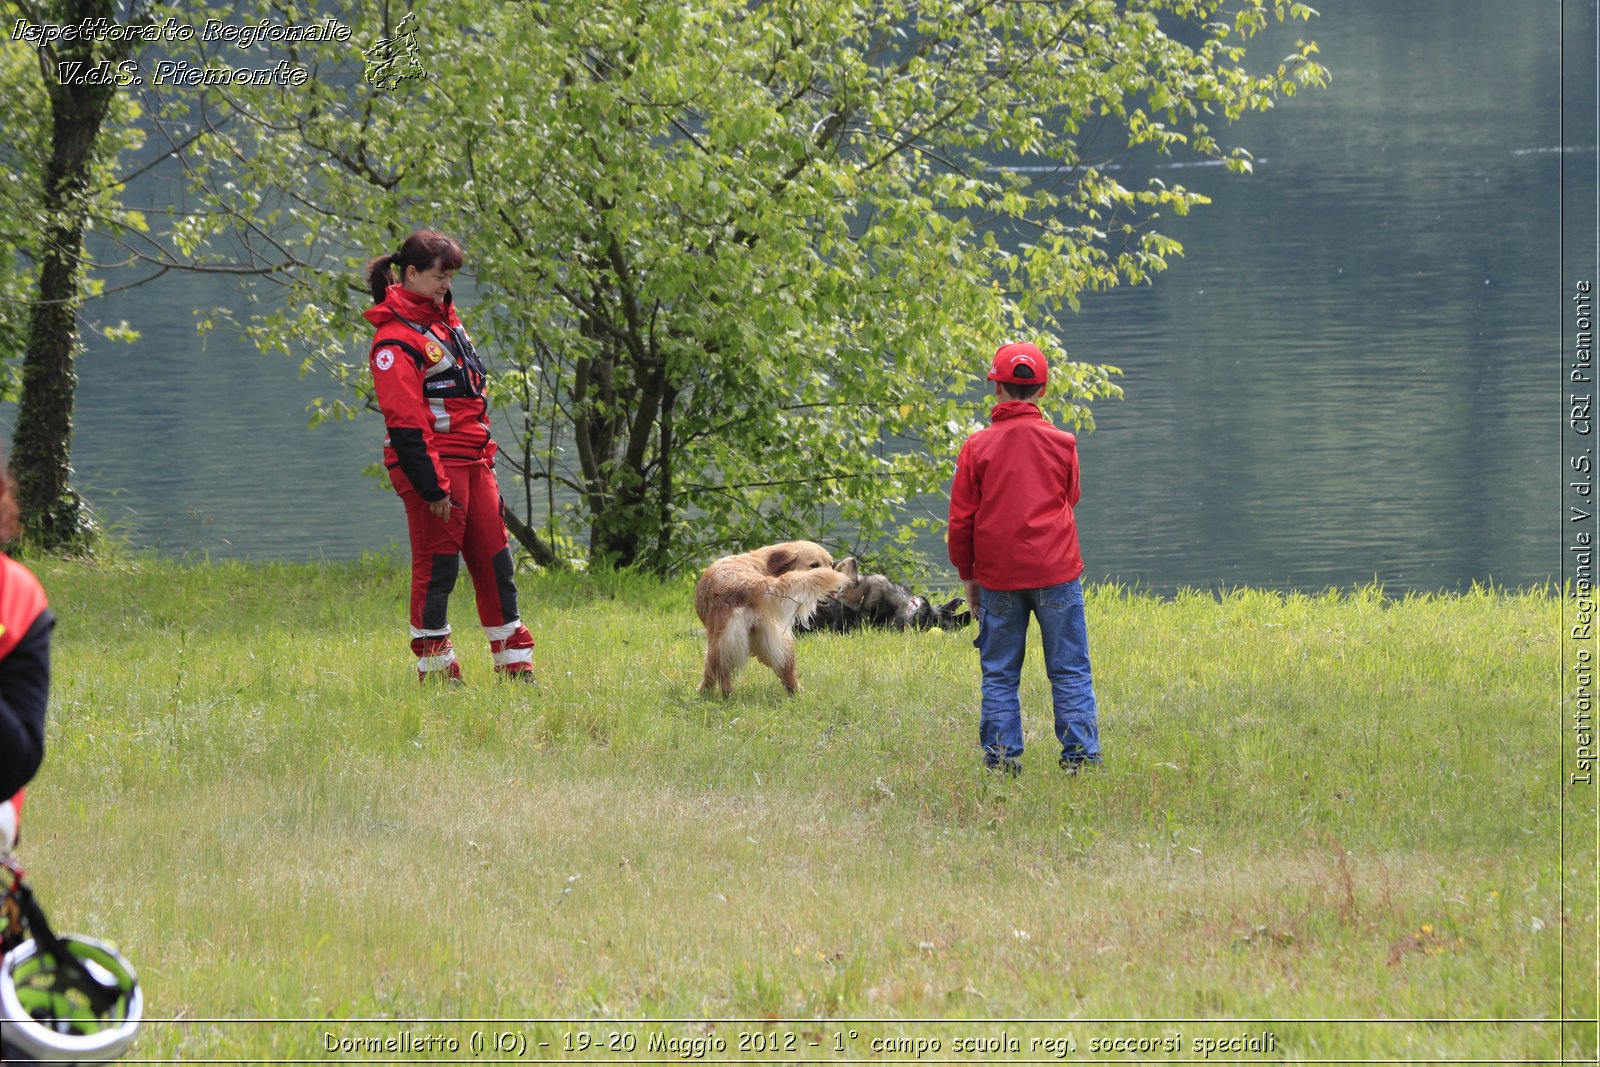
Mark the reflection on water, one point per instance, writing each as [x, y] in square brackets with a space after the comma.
[1349, 377]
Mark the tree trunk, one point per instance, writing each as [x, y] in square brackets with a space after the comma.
[529, 539]
[669, 400]
[54, 518]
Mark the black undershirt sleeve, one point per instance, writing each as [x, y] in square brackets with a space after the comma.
[24, 692]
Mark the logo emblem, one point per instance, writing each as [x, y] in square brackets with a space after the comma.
[384, 358]
[433, 351]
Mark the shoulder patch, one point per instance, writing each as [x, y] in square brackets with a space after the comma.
[384, 359]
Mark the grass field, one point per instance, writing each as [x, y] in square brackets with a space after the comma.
[1331, 825]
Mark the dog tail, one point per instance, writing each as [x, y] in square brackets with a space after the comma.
[733, 646]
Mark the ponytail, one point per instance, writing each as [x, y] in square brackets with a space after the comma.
[423, 250]
[380, 275]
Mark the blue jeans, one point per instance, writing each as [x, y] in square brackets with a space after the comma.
[1002, 641]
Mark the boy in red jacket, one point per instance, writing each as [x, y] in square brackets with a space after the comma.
[1014, 542]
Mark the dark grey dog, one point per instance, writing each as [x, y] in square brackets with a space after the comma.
[876, 601]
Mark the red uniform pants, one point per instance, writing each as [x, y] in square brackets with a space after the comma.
[477, 533]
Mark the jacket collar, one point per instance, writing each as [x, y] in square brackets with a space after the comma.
[400, 302]
[414, 307]
[1015, 409]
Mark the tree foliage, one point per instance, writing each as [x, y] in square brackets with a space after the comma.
[738, 267]
[65, 135]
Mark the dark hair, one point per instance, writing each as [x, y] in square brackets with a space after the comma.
[423, 250]
[1017, 391]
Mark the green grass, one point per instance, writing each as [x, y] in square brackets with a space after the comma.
[1338, 807]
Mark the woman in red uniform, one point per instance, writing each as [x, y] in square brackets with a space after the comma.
[25, 625]
[440, 457]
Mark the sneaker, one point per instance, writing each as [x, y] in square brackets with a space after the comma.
[1074, 764]
[1011, 768]
[516, 672]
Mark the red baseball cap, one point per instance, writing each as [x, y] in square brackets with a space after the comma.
[1020, 364]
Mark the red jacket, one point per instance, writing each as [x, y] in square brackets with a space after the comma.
[429, 382]
[1011, 523]
[25, 624]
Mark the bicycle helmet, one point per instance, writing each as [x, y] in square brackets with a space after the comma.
[50, 1013]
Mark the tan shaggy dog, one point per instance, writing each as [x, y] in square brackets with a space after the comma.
[749, 603]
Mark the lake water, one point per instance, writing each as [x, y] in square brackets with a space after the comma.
[1354, 374]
